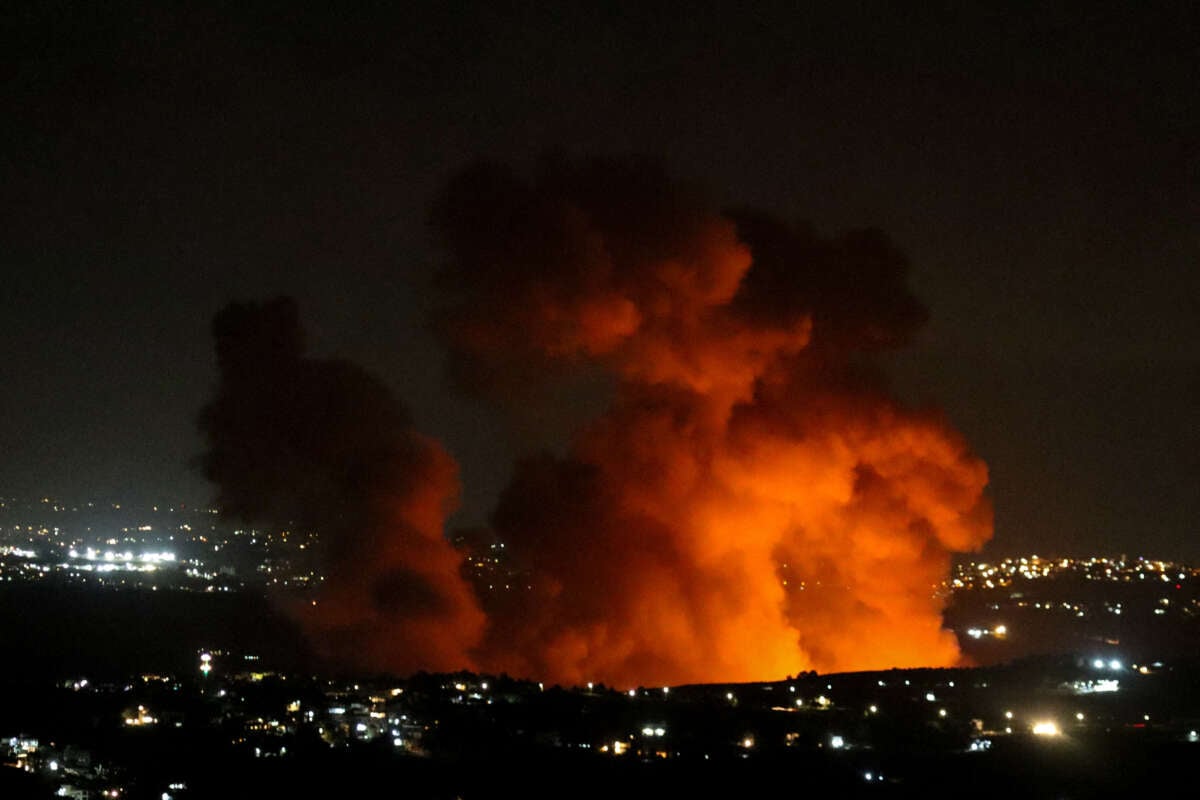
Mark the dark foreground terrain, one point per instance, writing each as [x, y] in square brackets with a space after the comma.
[104, 698]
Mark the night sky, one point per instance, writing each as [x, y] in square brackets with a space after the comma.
[1038, 166]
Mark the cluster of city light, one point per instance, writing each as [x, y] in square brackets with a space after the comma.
[114, 567]
[1001, 574]
[999, 631]
[72, 549]
[618, 748]
[142, 718]
[91, 554]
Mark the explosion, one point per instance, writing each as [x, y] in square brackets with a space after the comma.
[750, 502]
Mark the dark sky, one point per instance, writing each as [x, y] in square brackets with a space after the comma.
[1038, 165]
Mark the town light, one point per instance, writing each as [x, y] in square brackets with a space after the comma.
[1045, 728]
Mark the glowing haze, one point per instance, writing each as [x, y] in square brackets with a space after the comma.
[750, 503]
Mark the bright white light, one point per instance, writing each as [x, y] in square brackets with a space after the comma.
[868, 776]
[1008, 715]
[633, 692]
[666, 690]
[1098, 663]
[1001, 630]
[397, 742]
[930, 697]
[1114, 664]
[54, 766]
[647, 731]
[1193, 736]
[590, 685]
[941, 712]
[729, 695]
[1079, 716]
[483, 686]
[874, 709]
[1045, 728]
[748, 742]
[659, 731]
[837, 742]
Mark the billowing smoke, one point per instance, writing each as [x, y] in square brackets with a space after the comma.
[752, 502]
[296, 442]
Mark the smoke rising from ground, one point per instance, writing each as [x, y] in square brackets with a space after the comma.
[298, 442]
[750, 503]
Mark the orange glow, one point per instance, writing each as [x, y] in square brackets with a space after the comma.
[360, 621]
[752, 503]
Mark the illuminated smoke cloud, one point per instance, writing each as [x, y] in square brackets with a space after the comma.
[323, 445]
[752, 503]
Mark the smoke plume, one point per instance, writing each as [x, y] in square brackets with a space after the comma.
[752, 502]
[323, 445]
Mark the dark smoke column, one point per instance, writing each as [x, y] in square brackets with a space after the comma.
[324, 445]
